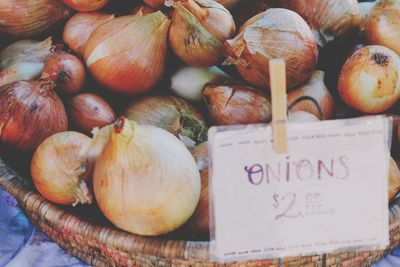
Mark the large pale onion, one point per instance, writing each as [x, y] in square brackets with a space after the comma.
[127, 54]
[22, 18]
[275, 33]
[328, 19]
[145, 180]
[382, 26]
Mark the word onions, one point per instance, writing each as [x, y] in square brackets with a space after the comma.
[141, 167]
[59, 171]
[370, 79]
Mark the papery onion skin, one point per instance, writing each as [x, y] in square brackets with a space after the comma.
[87, 111]
[328, 19]
[79, 27]
[30, 111]
[198, 31]
[127, 54]
[58, 168]
[67, 71]
[20, 71]
[141, 167]
[316, 89]
[278, 33]
[231, 103]
[23, 51]
[370, 79]
[22, 18]
[86, 5]
[382, 26]
[170, 113]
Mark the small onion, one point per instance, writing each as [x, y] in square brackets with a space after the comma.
[141, 168]
[172, 114]
[22, 18]
[127, 54]
[198, 31]
[382, 26]
[87, 111]
[277, 33]
[315, 89]
[86, 5]
[30, 111]
[58, 168]
[328, 19]
[66, 70]
[188, 82]
[370, 79]
[234, 103]
[78, 29]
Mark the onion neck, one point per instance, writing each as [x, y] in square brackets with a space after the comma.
[123, 131]
[194, 8]
[46, 85]
[82, 194]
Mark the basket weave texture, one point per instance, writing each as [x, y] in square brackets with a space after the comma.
[107, 246]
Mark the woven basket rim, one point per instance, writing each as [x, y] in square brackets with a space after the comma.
[194, 251]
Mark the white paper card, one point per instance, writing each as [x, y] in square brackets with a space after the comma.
[329, 193]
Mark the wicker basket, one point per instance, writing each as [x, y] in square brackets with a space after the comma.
[107, 246]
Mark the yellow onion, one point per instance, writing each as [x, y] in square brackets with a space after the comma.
[369, 80]
[277, 33]
[316, 90]
[127, 54]
[86, 5]
[234, 103]
[58, 168]
[22, 18]
[79, 27]
[198, 31]
[145, 181]
[328, 19]
[198, 226]
[172, 114]
[394, 179]
[30, 111]
[188, 82]
[382, 26]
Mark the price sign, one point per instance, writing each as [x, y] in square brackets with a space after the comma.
[328, 193]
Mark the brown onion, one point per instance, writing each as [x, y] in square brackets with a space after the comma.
[78, 29]
[172, 114]
[382, 26]
[67, 71]
[86, 5]
[22, 18]
[198, 31]
[316, 90]
[58, 168]
[198, 225]
[87, 111]
[370, 79]
[127, 54]
[234, 103]
[277, 33]
[328, 19]
[30, 111]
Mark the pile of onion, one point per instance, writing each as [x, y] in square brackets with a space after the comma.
[370, 79]
[141, 168]
[127, 54]
[275, 33]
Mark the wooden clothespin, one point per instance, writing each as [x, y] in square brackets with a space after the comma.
[277, 74]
